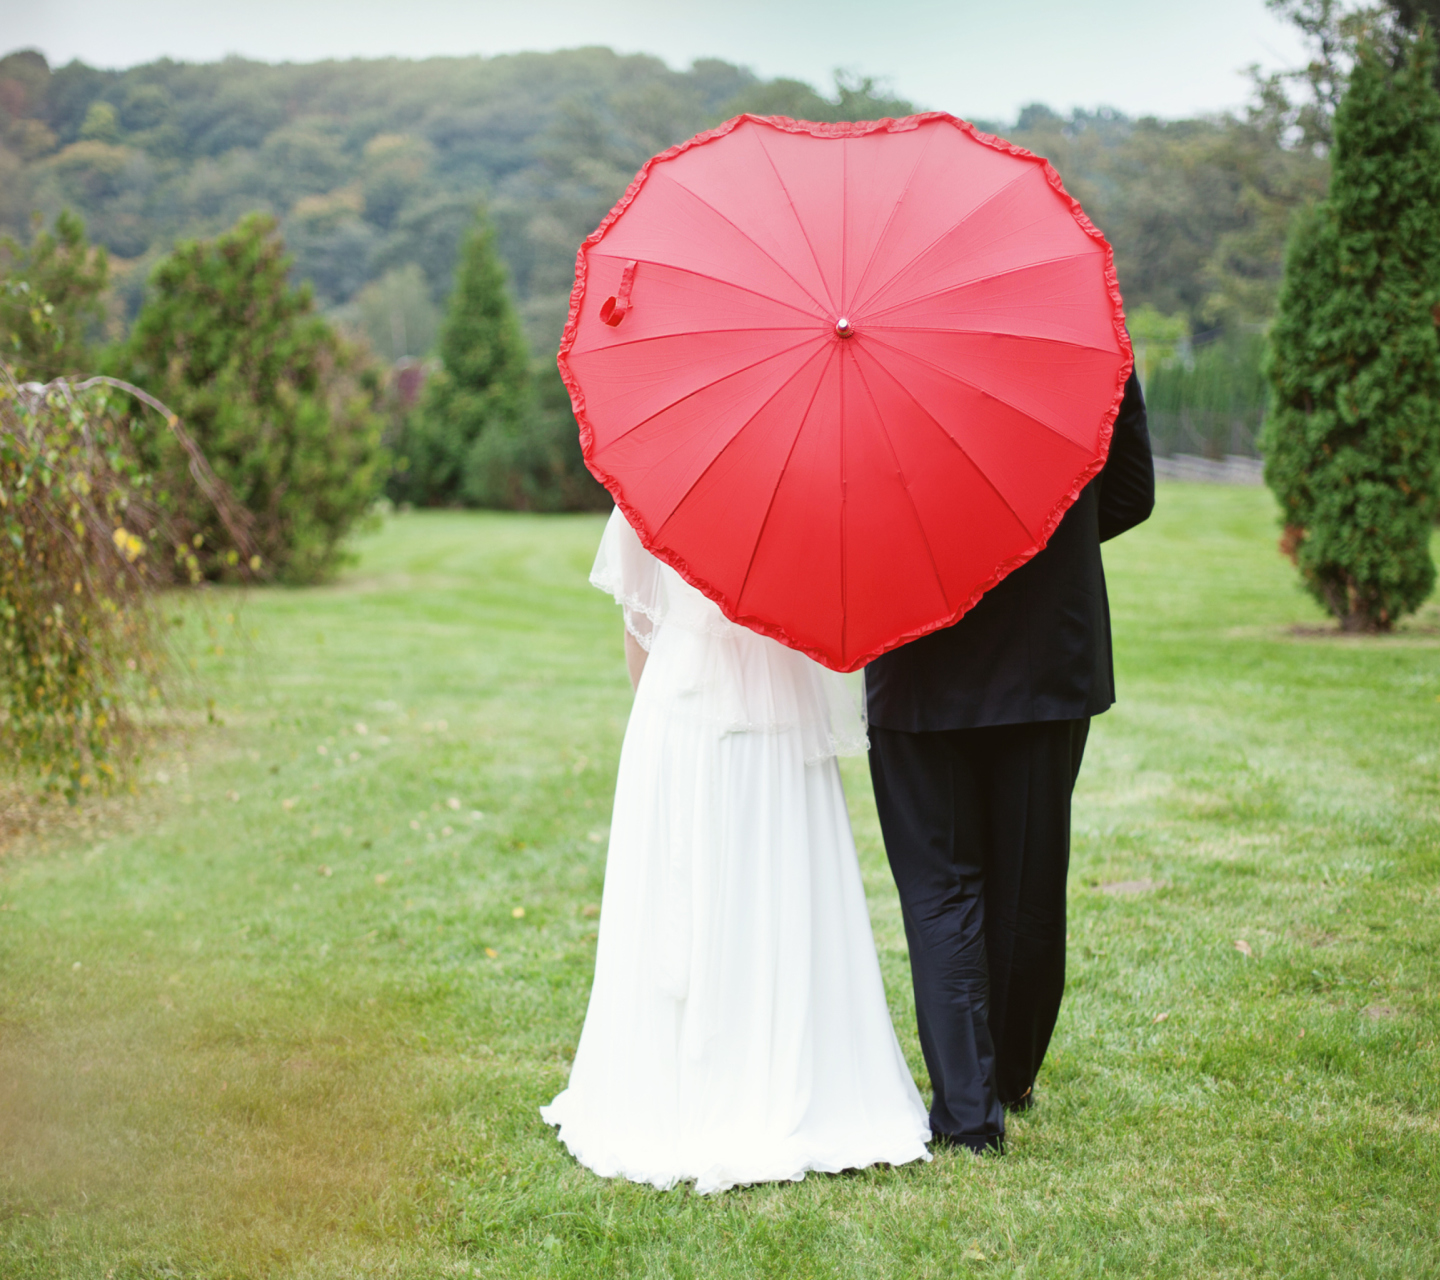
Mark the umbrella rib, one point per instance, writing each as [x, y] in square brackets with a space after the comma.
[959, 222]
[690, 488]
[844, 513]
[895, 208]
[704, 275]
[909, 497]
[770, 505]
[795, 213]
[754, 364]
[965, 284]
[965, 382]
[844, 240]
[740, 231]
[994, 333]
[698, 333]
[964, 452]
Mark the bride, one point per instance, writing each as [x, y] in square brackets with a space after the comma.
[737, 1029]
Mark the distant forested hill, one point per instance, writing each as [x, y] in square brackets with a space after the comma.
[375, 167]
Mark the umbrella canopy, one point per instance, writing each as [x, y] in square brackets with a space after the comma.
[844, 378]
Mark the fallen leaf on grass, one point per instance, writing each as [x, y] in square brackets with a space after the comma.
[491, 952]
[590, 911]
[290, 803]
[232, 796]
[382, 877]
[323, 870]
[518, 912]
[1244, 948]
[452, 803]
[1160, 1017]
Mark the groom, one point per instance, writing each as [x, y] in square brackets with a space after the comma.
[976, 736]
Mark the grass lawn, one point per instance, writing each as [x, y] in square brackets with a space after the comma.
[291, 1011]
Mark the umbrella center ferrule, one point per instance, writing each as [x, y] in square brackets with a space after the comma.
[844, 328]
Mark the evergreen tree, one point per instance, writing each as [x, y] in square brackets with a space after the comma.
[1414, 15]
[482, 386]
[1352, 442]
[283, 409]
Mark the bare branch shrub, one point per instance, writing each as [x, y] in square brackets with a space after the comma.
[85, 550]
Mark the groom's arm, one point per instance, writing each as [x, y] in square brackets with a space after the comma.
[1127, 481]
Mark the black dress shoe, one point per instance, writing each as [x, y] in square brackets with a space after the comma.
[1023, 1103]
[981, 1144]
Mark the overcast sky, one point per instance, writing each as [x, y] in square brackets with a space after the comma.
[972, 58]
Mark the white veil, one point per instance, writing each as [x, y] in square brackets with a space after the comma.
[719, 672]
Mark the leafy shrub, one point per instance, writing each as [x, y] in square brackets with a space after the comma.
[70, 625]
[84, 546]
[284, 409]
[536, 466]
[1352, 443]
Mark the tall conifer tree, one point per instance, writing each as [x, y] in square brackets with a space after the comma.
[1352, 443]
[483, 385]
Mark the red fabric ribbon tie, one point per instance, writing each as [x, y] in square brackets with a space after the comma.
[613, 309]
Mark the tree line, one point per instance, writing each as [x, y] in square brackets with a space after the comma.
[373, 170]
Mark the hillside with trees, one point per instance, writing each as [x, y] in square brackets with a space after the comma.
[374, 170]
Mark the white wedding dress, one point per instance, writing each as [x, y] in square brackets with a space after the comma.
[737, 1029]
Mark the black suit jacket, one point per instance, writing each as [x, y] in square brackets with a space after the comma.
[1037, 646]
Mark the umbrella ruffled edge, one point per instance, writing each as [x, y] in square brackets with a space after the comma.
[842, 129]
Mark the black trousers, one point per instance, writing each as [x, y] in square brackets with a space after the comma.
[977, 828]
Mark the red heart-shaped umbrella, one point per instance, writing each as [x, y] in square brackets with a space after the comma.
[845, 377]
